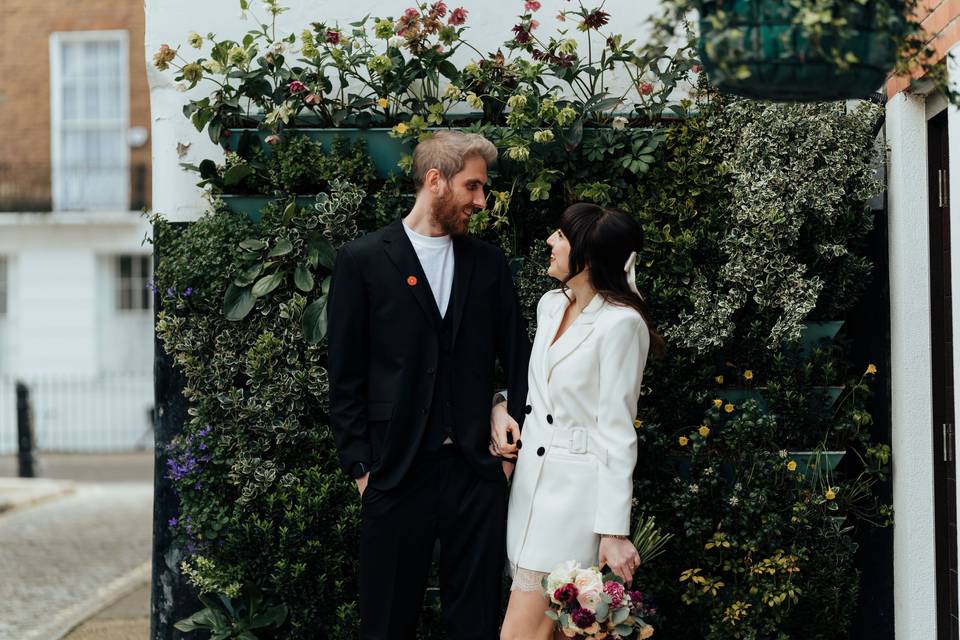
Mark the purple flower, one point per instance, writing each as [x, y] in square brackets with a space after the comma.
[615, 590]
[187, 292]
[172, 521]
[583, 618]
[152, 287]
[204, 432]
[171, 292]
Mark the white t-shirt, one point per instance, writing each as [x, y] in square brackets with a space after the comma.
[436, 258]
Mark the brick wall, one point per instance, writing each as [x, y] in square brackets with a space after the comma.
[942, 22]
[25, 28]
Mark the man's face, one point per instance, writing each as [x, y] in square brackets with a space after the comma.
[461, 196]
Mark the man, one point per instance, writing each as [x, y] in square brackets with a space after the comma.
[419, 313]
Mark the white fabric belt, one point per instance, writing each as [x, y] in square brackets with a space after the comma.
[578, 440]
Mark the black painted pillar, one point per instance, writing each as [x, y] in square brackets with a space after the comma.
[172, 598]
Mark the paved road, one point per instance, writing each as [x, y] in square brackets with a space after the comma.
[88, 467]
[62, 557]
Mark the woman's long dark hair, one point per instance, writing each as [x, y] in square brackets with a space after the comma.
[602, 239]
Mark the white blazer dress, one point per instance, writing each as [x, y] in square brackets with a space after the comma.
[574, 475]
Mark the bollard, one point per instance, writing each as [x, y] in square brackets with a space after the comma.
[25, 461]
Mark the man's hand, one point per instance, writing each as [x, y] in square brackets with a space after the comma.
[500, 425]
[620, 556]
[362, 483]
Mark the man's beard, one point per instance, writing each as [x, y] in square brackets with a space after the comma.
[448, 215]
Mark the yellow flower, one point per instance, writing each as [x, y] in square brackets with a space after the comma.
[728, 408]
[719, 379]
[383, 103]
[704, 430]
[792, 465]
[400, 128]
[748, 374]
[830, 494]
[717, 402]
[683, 440]
[637, 424]
[871, 368]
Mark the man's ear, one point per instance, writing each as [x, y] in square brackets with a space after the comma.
[432, 179]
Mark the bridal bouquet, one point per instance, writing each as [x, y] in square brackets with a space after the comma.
[586, 604]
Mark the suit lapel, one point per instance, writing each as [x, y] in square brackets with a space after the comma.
[463, 261]
[575, 334]
[404, 257]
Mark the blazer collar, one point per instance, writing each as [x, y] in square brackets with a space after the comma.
[404, 257]
[575, 334]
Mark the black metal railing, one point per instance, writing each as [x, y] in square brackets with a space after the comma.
[29, 187]
[74, 413]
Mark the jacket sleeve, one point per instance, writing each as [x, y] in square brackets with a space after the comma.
[513, 343]
[347, 321]
[623, 355]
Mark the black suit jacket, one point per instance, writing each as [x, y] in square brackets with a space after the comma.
[384, 347]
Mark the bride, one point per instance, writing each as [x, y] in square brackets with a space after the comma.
[573, 484]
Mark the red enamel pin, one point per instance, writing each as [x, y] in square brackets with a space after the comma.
[412, 280]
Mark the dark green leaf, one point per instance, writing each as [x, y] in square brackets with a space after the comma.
[235, 174]
[315, 321]
[237, 302]
[282, 248]
[266, 284]
[251, 244]
[303, 278]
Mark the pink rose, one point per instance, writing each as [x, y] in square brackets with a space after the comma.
[590, 597]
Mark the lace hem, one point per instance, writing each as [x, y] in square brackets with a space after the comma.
[527, 580]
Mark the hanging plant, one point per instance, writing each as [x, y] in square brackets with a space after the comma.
[809, 50]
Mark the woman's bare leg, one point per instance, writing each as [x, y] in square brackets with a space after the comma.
[525, 619]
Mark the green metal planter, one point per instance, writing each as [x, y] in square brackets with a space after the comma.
[759, 36]
[252, 205]
[384, 150]
[813, 464]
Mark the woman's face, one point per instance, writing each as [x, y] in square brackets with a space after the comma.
[559, 256]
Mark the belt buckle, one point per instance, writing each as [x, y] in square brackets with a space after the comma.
[578, 440]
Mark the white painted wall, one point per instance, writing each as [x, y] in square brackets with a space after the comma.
[89, 366]
[911, 369]
[169, 21]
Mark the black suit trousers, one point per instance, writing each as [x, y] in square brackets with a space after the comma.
[440, 498]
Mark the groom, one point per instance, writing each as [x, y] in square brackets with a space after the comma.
[419, 314]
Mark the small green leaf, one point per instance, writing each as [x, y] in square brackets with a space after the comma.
[252, 244]
[315, 321]
[246, 278]
[237, 302]
[235, 174]
[289, 211]
[282, 248]
[313, 257]
[266, 284]
[327, 255]
[303, 278]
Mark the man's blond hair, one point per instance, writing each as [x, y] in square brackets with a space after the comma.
[447, 151]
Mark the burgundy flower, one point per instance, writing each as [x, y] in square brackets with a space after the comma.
[333, 37]
[538, 55]
[615, 590]
[523, 34]
[596, 19]
[458, 16]
[646, 88]
[583, 618]
[566, 593]
[411, 13]
[296, 86]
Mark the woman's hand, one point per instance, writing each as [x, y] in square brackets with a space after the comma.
[620, 556]
[500, 425]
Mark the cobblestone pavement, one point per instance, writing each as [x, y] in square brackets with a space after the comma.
[62, 559]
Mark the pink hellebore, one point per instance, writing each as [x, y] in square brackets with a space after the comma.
[458, 16]
[531, 5]
[439, 9]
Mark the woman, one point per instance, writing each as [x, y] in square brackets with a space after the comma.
[573, 484]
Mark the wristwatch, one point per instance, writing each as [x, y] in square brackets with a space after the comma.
[358, 470]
